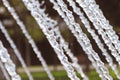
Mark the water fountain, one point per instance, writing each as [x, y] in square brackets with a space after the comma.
[8, 63]
[62, 42]
[30, 40]
[102, 26]
[44, 25]
[95, 37]
[81, 37]
[17, 53]
[4, 71]
[52, 33]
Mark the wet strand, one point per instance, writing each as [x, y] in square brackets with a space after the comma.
[8, 63]
[31, 41]
[70, 54]
[105, 30]
[67, 50]
[95, 37]
[16, 51]
[82, 38]
[50, 29]
[54, 28]
[4, 71]
[44, 25]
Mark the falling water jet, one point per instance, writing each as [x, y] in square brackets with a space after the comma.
[102, 26]
[8, 63]
[95, 37]
[107, 34]
[70, 54]
[44, 25]
[82, 38]
[4, 71]
[67, 50]
[54, 28]
[104, 23]
[17, 53]
[33, 45]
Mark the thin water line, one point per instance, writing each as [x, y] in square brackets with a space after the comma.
[44, 25]
[95, 37]
[98, 19]
[17, 52]
[31, 41]
[82, 36]
[8, 63]
[53, 27]
[4, 71]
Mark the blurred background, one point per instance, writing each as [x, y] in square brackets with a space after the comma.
[110, 8]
